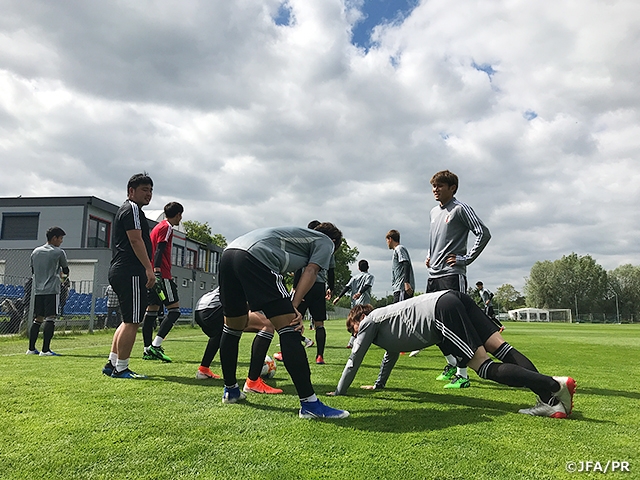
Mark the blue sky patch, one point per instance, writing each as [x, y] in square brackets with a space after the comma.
[529, 115]
[284, 15]
[377, 12]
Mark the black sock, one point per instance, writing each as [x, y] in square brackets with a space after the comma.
[47, 333]
[33, 335]
[517, 376]
[167, 324]
[259, 349]
[210, 351]
[148, 324]
[295, 361]
[507, 354]
[229, 354]
[321, 339]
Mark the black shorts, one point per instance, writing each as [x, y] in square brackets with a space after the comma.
[170, 290]
[464, 326]
[245, 280]
[132, 294]
[46, 305]
[457, 282]
[315, 302]
[210, 320]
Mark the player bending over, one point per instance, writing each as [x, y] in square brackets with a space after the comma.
[251, 271]
[211, 319]
[450, 319]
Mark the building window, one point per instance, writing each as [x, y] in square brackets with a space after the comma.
[190, 260]
[177, 255]
[99, 232]
[213, 261]
[20, 226]
[202, 259]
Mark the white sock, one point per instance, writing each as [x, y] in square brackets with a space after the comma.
[451, 360]
[113, 357]
[312, 398]
[157, 341]
[462, 371]
[122, 365]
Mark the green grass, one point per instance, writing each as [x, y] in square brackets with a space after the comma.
[62, 419]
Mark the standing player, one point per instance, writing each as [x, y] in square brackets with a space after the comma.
[315, 302]
[251, 271]
[453, 319]
[130, 273]
[211, 319]
[161, 241]
[359, 285]
[487, 301]
[49, 267]
[447, 258]
[402, 279]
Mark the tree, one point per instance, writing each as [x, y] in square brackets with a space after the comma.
[571, 282]
[201, 232]
[625, 282]
[344, 257]
[508, 298]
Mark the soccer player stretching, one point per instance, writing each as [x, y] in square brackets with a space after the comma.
[251, 271]
[451, 319]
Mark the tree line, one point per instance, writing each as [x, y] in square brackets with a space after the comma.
[575, 282]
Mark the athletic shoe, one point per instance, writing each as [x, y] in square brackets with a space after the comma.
[147, 356]
[50, 353]
[232, 395]
[318, 409]
[277, 356]
[108, 369]
[308, 343]
[33, 352]
[565, 394]
[542, 409]
[158, 352]
[458, 381]
[258, 386]
[205, 373]
[319, 360]
[126, 374]
[414, 353]
[448, 372]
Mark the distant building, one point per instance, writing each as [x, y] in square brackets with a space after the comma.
[540, 315]
[88, 223]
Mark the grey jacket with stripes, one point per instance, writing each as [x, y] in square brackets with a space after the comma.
[400, 327]
[449, 231]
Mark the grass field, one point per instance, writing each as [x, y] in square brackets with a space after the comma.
[62, 419]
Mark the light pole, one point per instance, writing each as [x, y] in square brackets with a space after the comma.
[617, 309]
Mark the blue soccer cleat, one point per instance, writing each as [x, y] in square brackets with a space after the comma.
[108, 369]
[233, 395]
[126, 374]
[318, 409]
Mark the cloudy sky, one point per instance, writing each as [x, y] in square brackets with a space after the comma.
[260, 113]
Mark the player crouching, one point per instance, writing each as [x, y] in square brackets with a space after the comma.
[453, 320]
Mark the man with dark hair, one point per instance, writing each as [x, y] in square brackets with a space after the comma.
[251, 271]
[49, 268]
[402, 279]
[161, 241]
[131, 273]
[315, 301]
[487, 302]
[359, 285]
[452, 319]
[447, 258]
[209, 316]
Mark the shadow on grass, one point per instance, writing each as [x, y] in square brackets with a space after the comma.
[606, 392]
